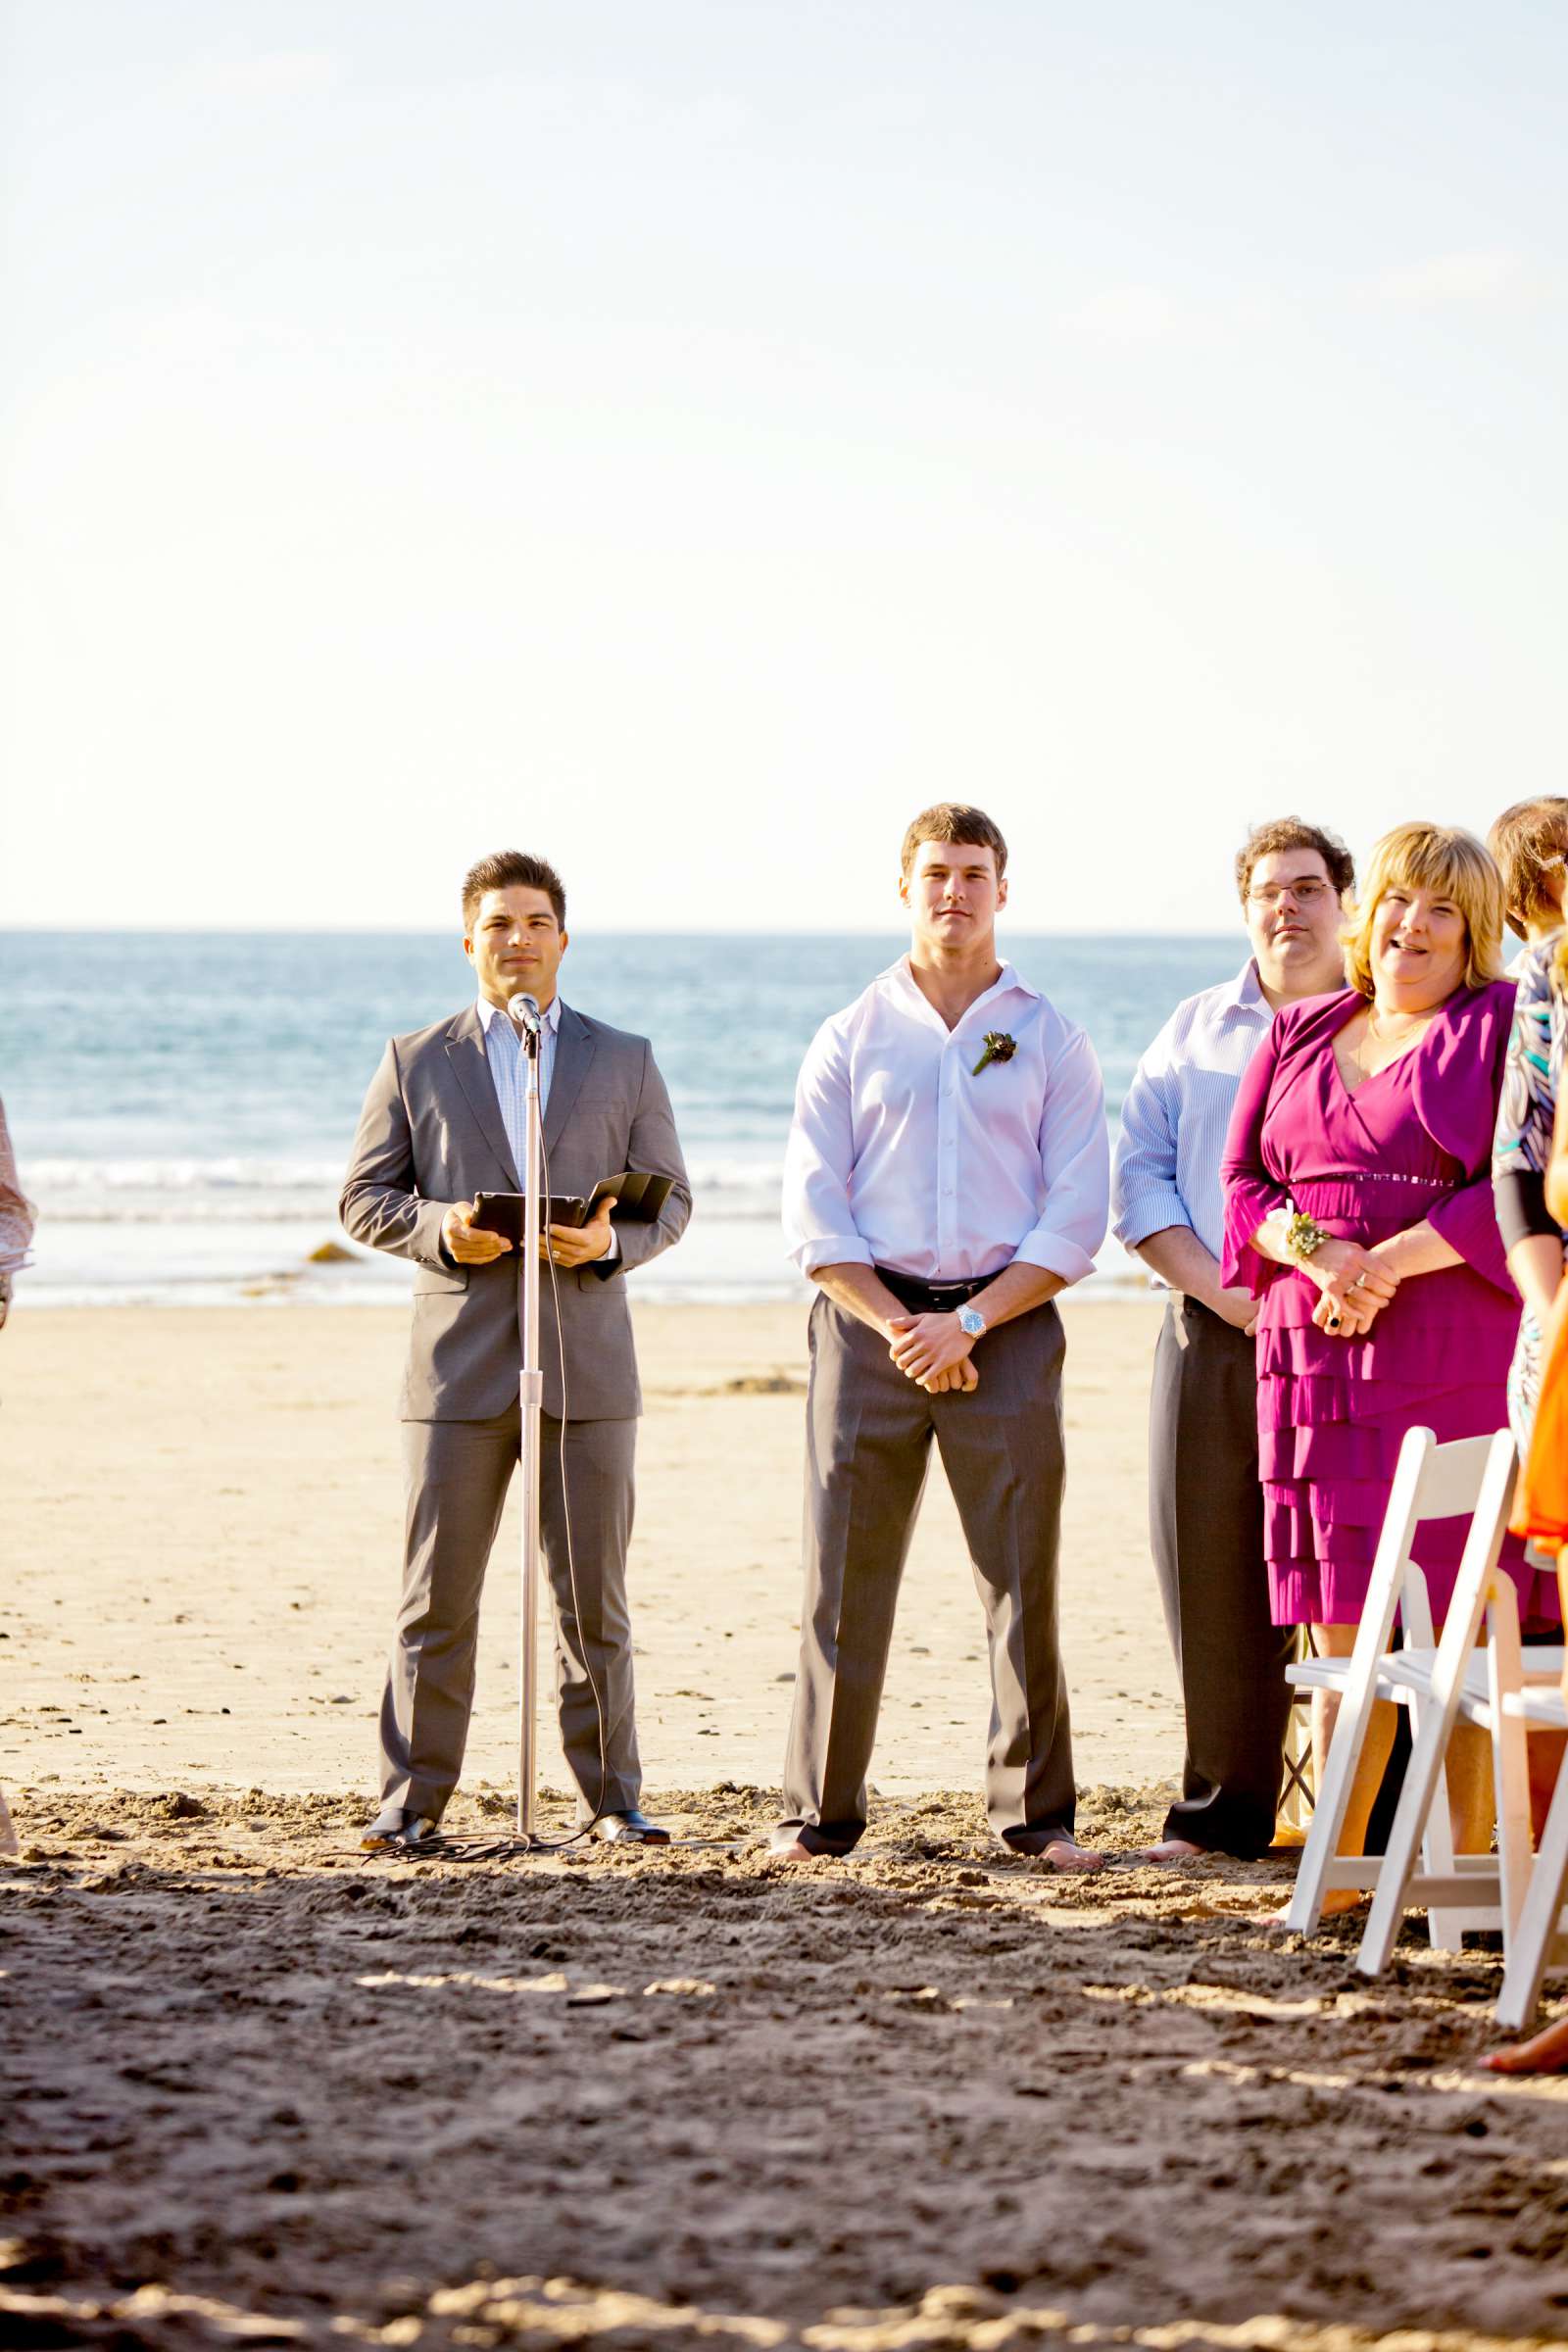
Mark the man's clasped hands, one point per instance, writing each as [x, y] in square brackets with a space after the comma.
[933, 1351]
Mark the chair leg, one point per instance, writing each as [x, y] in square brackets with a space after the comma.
[1416, 1820]
[1336, 1772]
[1412, 1827]
[1510, 1761]
[1530, 1948]
[1335, 1778]
[1444, 1928]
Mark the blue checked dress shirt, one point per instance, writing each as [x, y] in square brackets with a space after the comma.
[508, 1069]
[509, 1075]
[1173, 1124]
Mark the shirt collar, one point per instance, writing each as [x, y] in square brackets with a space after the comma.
[1008, 977]
[488, 1013]
[1245, 993]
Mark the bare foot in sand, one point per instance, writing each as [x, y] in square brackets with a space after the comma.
[1063, 1854]
[1171, 1849]
[1054, 1849]
[1545, 2053]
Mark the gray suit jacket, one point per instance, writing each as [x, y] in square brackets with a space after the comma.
[431, 1133]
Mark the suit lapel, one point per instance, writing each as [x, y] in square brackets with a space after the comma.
[575, 1051]
[471, 1064]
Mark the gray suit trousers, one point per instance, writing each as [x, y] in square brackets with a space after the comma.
[1206, 1524]
[457, 1475]
[869, 1441]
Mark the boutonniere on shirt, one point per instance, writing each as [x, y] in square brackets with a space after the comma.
[1000, 1047]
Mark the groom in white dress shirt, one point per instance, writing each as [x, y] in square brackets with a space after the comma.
[948, 1175]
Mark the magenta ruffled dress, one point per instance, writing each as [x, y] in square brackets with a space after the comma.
[1413, 1142]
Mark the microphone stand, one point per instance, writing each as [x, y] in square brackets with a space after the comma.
[531, 1399]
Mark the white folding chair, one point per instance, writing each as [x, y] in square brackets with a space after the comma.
[1445, 1685]
[1536, 1707]
[1430, 1482]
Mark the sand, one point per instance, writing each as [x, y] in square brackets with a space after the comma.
[258, 2088]
[203, 1531]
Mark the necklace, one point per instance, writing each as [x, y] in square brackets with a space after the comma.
[1372, 1036]
[1383, 1036]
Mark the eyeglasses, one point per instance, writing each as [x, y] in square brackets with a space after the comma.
[1305, 894]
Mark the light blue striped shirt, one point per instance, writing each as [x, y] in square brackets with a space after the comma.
[508, 1068]
[1178, 1108]
[509, 1073]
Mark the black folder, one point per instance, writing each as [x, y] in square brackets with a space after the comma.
[638, 1199]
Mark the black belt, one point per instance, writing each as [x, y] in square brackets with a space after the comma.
[929, 1298]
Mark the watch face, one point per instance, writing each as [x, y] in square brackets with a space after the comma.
[971, 1320]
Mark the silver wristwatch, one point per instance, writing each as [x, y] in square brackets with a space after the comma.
[971, 1322]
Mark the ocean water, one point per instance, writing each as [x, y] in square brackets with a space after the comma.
[182, 1105]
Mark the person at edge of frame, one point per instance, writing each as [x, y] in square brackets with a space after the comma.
[947, 1176]
[443, 1121]
[16, 1238]
[1206, 1505]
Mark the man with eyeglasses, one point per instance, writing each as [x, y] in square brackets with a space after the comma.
[1206, 1501]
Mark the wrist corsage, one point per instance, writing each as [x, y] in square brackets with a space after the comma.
[1304, 1238]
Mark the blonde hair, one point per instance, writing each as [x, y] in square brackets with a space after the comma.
[1440, 858]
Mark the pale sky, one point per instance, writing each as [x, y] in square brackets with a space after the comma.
[686, 439]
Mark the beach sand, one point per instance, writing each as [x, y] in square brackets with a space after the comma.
[203, 1533]
[257, 2087]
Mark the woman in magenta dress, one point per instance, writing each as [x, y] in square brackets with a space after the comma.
[1359, 1210]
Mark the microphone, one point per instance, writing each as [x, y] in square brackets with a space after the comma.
[526, 1010]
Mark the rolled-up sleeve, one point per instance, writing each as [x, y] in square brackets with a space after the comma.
[820, 1159]
[1252, 1192]
[1143, 1194]
[1075, 1163]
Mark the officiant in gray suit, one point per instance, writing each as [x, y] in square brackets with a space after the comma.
[443, 1121]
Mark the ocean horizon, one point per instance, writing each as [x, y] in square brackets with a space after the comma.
[182, 1104]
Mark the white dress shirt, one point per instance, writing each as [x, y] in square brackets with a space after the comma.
[1177, 1110]
[900, 1156]
[509, 1073]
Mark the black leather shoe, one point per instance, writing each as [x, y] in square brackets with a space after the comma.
[394, 1827]
[630, 1828]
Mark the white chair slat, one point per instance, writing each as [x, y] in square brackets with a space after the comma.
[1454, 1475]
[1546, 1708]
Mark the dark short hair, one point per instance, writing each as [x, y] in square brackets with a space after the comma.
[1526, 838]
[501, 870]
[1293, 833]
[955, 820]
